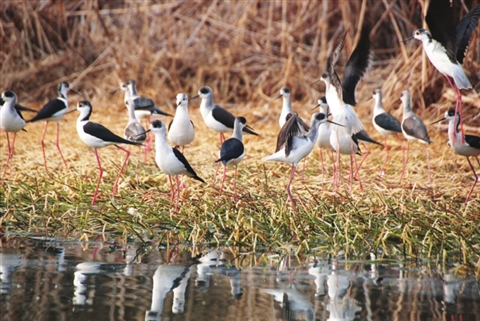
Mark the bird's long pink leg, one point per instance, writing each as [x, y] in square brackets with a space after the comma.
[357, 170]
[172, 192]
[223, 178]
[323, 167]
[99, 176]
[222, 138]
[458, 108]
[149, 143]
[43, 146]
[58, 144]
[476, 178]
[337, 175]
[428, 169]
[215, 176]
[404, 161]
[382, 170]
[121, 169]
[361, 162]
[292, 174]
[10, 153]
[235, 183]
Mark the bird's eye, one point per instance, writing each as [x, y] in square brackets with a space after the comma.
[417, 33]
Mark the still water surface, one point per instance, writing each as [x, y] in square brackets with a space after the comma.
[42, 279]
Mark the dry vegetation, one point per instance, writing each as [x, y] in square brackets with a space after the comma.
[246, 51]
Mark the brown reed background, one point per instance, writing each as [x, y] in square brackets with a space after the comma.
[245, 50]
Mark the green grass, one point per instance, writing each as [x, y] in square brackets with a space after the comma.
[408, 219]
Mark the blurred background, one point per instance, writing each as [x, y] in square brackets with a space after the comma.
[245, 50]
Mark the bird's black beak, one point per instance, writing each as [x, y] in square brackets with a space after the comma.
[437, 121]
[74, 91]
[143, 133]
[406, 39]
[71, 111]
[313, 83]
[193, 97]
[315, 107]
[331, 122]
[278, 97]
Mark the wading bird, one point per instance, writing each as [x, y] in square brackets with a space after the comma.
[232, 152]
[170, 160]
[384, 123]
[469, 148]
[446, 44]
[413, 129]
[97, 136]
[11, 121]
[54, 110]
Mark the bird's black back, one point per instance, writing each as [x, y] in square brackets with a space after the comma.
[413, 126]
[388, 122]
[232, 148]
[50, 108]
[105, 134]
[473, 141]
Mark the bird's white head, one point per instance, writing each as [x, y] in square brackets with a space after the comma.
[405, 97]
[377, 95]
[284, 92]
[322, 103]
[205, 92]
[63, 89]
[85, 109]
[9, 96]
[422, 35]
[157, 127]
[182, 99]
[325, 77]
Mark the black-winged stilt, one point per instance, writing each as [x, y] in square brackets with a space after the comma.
[296, 146]
[413, 129]
[181, 131]
[97, 136]
[11, 121]
[232, 152]
[446, 45]
[54, 110]
[469, 148]
[384, 123]
[170, 160]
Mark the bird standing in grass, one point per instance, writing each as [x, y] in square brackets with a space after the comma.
[54, 110]
[292, 146]
[98, 136]
[11, 121]
[232, 152]
[384, 123]
[144, 107]
[470, 148]
[170, 160]
[413, 129]
[180, 130]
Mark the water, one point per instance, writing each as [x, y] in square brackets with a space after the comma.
[44, 279]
